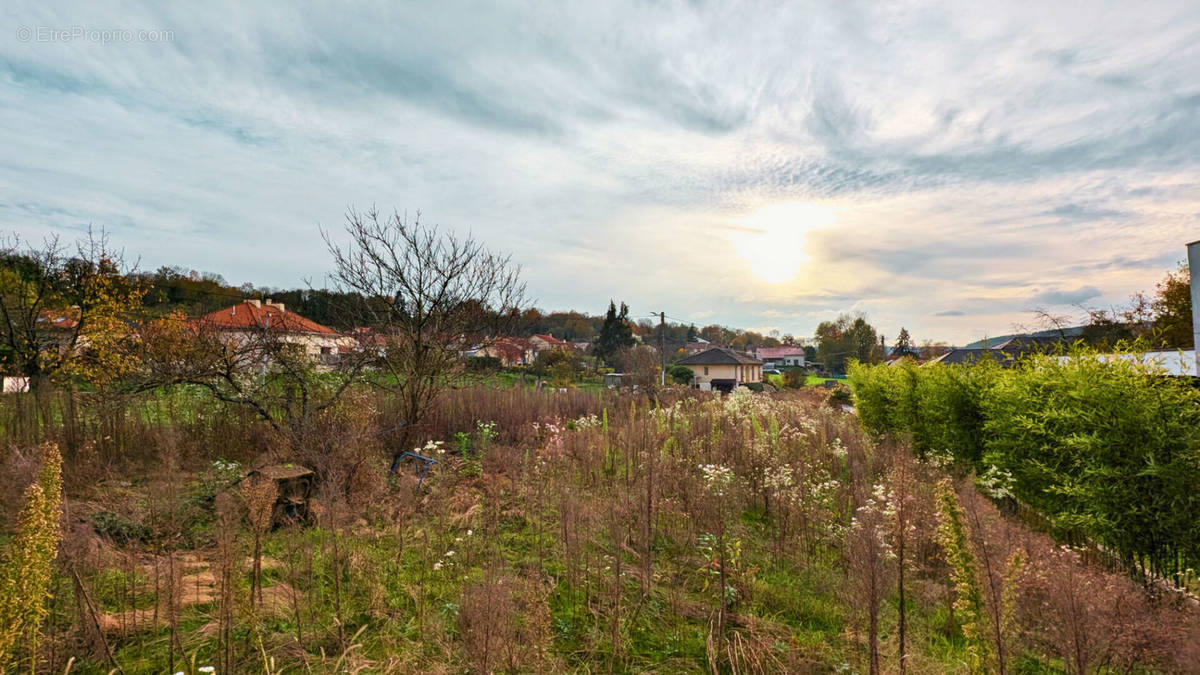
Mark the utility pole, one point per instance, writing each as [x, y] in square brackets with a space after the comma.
[662, 346]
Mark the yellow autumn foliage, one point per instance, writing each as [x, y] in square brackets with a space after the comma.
[27, 560]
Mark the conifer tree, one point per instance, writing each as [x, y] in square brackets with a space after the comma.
[903, 343]
[616, 333]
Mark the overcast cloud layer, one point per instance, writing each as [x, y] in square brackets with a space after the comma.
[979, 159]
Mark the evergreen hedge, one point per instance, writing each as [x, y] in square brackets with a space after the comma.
[1107, 450]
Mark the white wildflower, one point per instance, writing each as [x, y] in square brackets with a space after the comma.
[717, 478]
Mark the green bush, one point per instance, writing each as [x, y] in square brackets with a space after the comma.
[1105, 449]
[840, 395]
[120, 529]
[680, 374]
[794, 378]
[939, 406]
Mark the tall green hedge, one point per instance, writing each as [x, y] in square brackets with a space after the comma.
[1104, 449]
[940, 406]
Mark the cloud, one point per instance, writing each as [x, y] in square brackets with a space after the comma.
[1068, 297]
[1078, 213]
[976, 158]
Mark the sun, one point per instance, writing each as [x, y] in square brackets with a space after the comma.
[771, 240]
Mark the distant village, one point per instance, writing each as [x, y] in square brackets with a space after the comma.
[615, 350]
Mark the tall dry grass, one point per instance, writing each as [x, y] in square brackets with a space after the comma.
[581, 534]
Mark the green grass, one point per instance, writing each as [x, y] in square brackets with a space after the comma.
[509, 378]
[817, 380]
[809, 381]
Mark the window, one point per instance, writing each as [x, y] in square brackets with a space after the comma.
[705, 370]
[326, 350]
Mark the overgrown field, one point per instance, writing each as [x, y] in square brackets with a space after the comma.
[557, 532]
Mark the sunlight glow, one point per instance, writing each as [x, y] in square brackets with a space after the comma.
[772, 239]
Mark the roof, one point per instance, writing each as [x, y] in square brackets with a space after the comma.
[963, 355]
[66, 319]
[719, 356]
[1063, 335]
[1177, 363]
[550, 339]
[511, 348]
[1006, 351]
[778, 352]
[250, 315]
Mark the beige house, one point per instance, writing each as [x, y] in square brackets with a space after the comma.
[543, 343]
[722, 369]
[512, 351]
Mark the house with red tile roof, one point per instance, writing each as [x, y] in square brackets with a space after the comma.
[249, 319]
[541, 343]
[774, 357]
[512, 351]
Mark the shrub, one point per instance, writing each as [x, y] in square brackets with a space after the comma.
[1104, 448]
[120, 529]
[794, 378]
[840, 395]
[680, 374]
[955, 538]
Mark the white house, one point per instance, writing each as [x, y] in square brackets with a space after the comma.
[780, 357]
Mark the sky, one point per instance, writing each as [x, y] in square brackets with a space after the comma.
[946, 167]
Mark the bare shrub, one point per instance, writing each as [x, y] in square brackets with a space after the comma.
[870, 559]
[1092, 619]
[229, 517]
[259, 493]
[346, 452]
[505, 623]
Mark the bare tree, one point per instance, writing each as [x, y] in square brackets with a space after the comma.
[1048, 321]
[429, 296]
[640, 365]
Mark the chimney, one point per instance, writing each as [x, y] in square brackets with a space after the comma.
[1194, 270]
[276, 305]
[256, 303]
